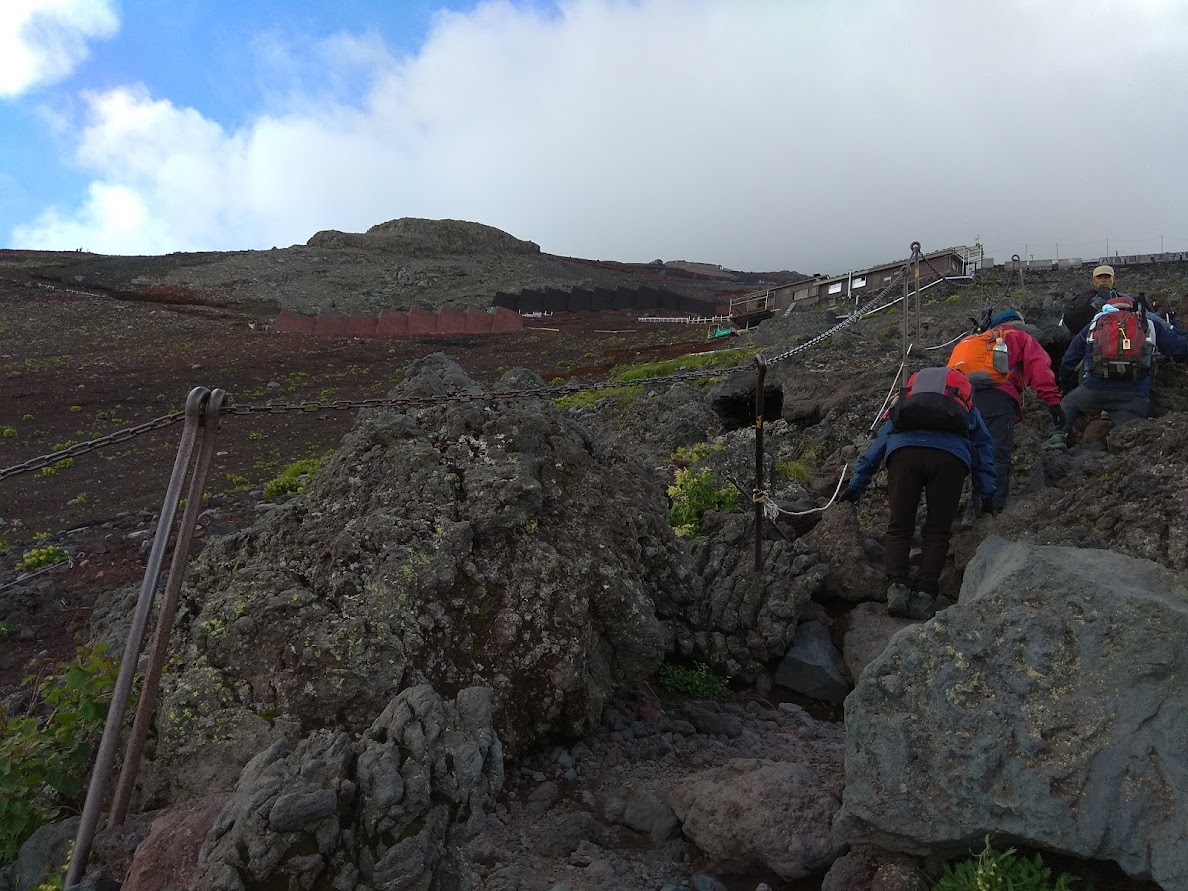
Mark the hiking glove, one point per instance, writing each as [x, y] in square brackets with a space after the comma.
[1057, 414]
[851, 495]
[987, 504]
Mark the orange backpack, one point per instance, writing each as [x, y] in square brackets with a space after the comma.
[983, 358]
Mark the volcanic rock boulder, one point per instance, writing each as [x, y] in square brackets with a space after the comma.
[486, 543]
[743, 619]
[1050, 706]
[391, 810]
[755, 814]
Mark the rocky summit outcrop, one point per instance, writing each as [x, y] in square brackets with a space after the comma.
[390, 810]
[1048, 707]
[490, 543]
[415, 237]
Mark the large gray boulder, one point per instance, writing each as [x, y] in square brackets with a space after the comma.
[393, 809]
[478, 543]
[753, 815]
[1049, 706]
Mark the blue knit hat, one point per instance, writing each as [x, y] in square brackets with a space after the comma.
[1006, 316]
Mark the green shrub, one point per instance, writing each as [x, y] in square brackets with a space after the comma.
[39, 557]
[7, 432]
[46, 751]
[793, 470]
[623, 396]
[700, 681]
[697, 453]
[293, 478]
[1001, 871]
[694, 492]
[643, 370]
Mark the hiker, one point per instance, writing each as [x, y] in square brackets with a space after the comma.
[1113, 357]
[998, 387]
[931, 437]
[1081, 309]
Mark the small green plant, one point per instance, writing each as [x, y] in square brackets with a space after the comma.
[255, 436]
[953, 298]
[26, 417]
[38, 557]
[238, 483]
[1001, 871]
[700, 681]
[46, 750]
[5, 630]
[293, 478]
[692, 493]
[76, 408]
[80, 499]
[7, 432]
[56, 467]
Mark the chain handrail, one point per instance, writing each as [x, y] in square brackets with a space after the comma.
[415, 402]
[843, 324]
[91, 445]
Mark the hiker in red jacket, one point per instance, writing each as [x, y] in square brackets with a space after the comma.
[999, 402]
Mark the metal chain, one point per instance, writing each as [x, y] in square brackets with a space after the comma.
[413, 402]
[92, 444]
[24, 577]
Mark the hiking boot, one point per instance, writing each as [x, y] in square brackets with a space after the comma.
[921, 606]
[898, 596]
[1058, 440]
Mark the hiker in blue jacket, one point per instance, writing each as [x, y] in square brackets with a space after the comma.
[1126, 400]
[924, 461]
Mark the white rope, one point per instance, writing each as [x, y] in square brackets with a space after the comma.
[773, 510]
[891, 391]
[947, 343]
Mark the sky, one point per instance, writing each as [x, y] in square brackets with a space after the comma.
[814, 135]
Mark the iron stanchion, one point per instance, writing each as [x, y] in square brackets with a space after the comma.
[757, 497]
[195, 405]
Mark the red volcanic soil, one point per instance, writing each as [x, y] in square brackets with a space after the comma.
[74, 367]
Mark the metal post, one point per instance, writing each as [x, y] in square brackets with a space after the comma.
[916, 278]
[760, 376]
[195, 404]
[159, 648]
[904, 350]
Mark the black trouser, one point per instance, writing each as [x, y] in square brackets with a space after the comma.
[998, 411]
[911, 472]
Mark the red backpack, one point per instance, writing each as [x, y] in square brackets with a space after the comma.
[1121, 346]
[934, 399]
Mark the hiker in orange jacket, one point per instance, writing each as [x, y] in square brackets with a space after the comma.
[999, 405]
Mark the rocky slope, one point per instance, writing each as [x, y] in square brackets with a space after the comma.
[642, 787]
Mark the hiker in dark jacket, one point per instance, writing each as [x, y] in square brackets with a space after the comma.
[918, 462]
[1125, 400]
[1081, 309]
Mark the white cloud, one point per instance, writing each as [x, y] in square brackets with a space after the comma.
[42, 41]
[800, 135]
